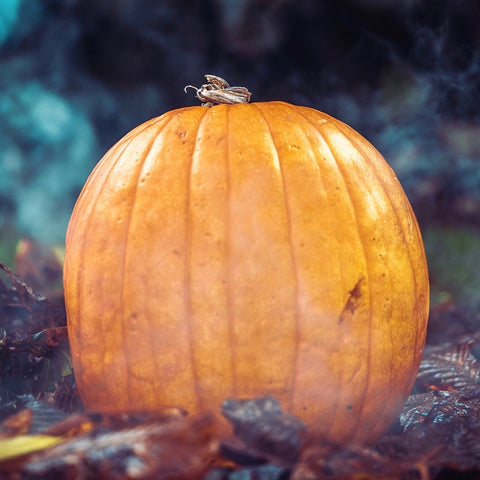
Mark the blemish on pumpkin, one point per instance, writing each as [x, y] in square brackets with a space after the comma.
[181, 134]
[353, 300]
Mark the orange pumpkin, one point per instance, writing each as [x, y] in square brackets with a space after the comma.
[243, 250]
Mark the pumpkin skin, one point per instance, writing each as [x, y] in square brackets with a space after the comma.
[244, 250]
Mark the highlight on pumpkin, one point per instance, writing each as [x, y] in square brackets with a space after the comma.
[241, 251]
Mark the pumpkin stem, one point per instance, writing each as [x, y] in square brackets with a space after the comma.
[218, 90]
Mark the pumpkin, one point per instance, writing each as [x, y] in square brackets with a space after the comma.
[241, 250]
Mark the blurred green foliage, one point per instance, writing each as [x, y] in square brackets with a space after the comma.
[453, 255]
[9, 237]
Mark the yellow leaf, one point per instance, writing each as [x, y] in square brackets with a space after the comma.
[25, 444]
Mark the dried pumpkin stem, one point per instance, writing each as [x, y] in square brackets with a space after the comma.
[218, 90]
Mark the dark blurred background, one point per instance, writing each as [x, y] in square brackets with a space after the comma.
[76, 75]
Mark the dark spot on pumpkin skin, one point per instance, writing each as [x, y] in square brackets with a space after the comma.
[353, 300]
[181, 134]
